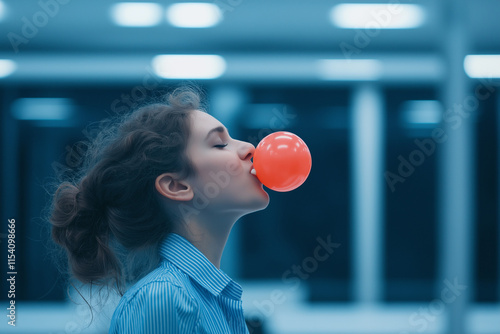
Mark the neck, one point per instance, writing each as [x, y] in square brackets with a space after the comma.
[209, 236]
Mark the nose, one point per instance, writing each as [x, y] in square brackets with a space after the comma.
[246, 150]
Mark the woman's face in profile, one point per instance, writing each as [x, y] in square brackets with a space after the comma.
[223, 165]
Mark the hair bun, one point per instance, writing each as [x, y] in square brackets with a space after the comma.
[92, 207]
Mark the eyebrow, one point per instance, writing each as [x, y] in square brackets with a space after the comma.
[220, 129]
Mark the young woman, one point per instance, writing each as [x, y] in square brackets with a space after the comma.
[150, 213]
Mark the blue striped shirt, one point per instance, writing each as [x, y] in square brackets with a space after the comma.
[185, 294]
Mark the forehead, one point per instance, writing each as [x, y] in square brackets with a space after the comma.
[203, 122]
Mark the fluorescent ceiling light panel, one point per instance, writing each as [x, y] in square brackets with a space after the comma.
[349, 69]
[2, 10]
[43, 109]
[7, 67]
[136, 14]
[194, 15]
[377, 16]
[189, 66]
[482, 66]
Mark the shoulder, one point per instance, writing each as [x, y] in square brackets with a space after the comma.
[165, 274]
[162, 294]
[165, 278]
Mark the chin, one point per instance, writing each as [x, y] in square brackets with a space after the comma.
[257, 204]
[263, 203]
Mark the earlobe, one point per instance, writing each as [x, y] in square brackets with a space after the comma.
[170, 187]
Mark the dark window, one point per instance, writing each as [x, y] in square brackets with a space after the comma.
[410, 208]
[285, 234]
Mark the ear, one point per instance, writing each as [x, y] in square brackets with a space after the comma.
[168, 185]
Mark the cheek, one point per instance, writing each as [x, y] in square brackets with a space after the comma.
[211, 166]
[233, 167]
[210, 163]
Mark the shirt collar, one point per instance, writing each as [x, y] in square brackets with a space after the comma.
[184, 255]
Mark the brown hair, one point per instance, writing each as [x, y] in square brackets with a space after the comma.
[108, 219]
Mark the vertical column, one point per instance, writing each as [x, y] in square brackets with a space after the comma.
[456, 171]
[367, 161]
[10, 207]
[225, 104]
[498, 194]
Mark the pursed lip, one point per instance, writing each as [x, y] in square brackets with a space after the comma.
[254, 175]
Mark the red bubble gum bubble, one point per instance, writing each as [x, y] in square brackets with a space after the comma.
[282, 161]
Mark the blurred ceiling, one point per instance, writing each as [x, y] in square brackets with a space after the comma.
[276, 26]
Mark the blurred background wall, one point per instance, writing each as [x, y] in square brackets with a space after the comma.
[396, 230]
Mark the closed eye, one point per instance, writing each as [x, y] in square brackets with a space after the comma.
[221, 146]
